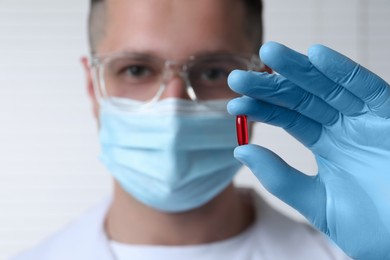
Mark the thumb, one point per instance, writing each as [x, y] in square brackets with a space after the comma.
[302, 192]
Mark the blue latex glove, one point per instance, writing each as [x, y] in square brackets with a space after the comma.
[340, 111]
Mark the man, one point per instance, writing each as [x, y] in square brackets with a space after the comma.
[157, 81]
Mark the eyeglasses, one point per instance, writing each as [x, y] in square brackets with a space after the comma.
[144, 77]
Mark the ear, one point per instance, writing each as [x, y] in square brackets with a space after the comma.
[90, 86]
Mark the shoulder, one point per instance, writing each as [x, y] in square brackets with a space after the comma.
[81, 236]
[281, 237]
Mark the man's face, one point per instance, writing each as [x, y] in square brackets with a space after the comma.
[175, 29]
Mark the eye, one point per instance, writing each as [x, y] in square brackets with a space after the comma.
[137, 71]
[213, 74]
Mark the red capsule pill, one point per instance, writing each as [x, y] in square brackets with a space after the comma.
[242, 129]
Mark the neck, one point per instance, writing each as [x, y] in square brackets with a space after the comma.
[130, 222]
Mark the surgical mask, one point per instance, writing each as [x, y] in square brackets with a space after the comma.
[174, 156]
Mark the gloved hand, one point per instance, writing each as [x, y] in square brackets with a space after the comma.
[341, 112]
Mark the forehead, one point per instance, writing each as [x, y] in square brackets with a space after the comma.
[175, 28]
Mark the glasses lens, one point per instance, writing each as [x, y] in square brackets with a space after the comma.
[134, 77]
[208, 76]
[140, 77]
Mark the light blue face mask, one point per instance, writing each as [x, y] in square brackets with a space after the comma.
[174, 156]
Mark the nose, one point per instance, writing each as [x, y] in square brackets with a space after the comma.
[176, 87]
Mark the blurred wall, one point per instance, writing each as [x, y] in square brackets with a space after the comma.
[49, 171]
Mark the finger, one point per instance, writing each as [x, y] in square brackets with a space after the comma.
[358, 80]
[302, 192]
[298, 69]
[277, 90]
[300, 127]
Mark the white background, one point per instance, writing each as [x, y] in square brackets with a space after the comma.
[49, 172]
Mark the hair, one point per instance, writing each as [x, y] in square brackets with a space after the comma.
[96, 23]
[97, 19]
[254, 22]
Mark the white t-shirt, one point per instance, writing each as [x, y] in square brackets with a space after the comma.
[272, 236]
